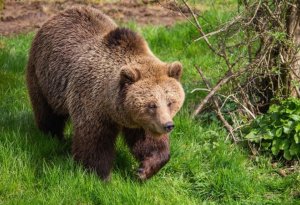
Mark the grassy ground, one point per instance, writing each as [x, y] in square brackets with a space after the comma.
[204, 168]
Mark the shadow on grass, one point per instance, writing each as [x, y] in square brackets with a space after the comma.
[20, 129]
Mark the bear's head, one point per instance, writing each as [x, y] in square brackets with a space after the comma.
[153, 94]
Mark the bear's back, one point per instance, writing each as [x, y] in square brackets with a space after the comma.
[63, 45]
[67, 34]
[79, 23]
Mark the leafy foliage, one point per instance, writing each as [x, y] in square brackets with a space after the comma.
[279, 129]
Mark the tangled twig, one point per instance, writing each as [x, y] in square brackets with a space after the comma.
[262, 62]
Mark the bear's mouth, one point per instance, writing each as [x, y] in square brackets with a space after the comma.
[154, 134]
[155, 131]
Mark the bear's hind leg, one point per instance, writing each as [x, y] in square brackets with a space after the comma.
[53, 124]
[152, 153]
[94, 146]
[46, 120]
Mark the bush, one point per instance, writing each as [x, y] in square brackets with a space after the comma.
[279, 129]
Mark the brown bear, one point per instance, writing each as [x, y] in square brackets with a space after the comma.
[106, 79]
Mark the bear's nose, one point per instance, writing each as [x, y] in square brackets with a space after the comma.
[169, 126]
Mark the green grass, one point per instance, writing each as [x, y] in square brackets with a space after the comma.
[204, 167]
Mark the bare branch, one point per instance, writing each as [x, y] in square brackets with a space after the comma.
[221, 82]
[218, 112]
[259, 52]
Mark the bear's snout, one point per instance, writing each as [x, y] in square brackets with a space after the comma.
[169, 126]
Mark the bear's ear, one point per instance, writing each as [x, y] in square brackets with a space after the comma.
[129, 75]
[175, 70]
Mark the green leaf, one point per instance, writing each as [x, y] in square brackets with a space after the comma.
[275, 116]
[251, 135]
[287, 155]
[294, 149]
[297, 138]
[297, 128]
[278, 132]
[274, 108]
[266, 145]
[267, 136]
[295, 117]
[275, 150]
[275, 147]
[284, 144]
[286, 130]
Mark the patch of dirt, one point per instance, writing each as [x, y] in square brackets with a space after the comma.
[24, 16]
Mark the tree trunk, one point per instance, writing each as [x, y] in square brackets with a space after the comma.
[293, 31]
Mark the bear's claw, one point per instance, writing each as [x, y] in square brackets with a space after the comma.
[141, 174]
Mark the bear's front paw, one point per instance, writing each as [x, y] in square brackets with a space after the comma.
[145, 172]
[142, 174]
[151, 166]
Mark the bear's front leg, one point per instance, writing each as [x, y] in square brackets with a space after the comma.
[152, 152]
[94, 146]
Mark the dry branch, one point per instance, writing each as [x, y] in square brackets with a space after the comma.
[259, 47]
[216, 103]
[228, 76]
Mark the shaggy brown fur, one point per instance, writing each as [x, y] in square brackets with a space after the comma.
[106, 80]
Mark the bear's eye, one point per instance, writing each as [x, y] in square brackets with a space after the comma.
[169, 104]
[152, 106]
